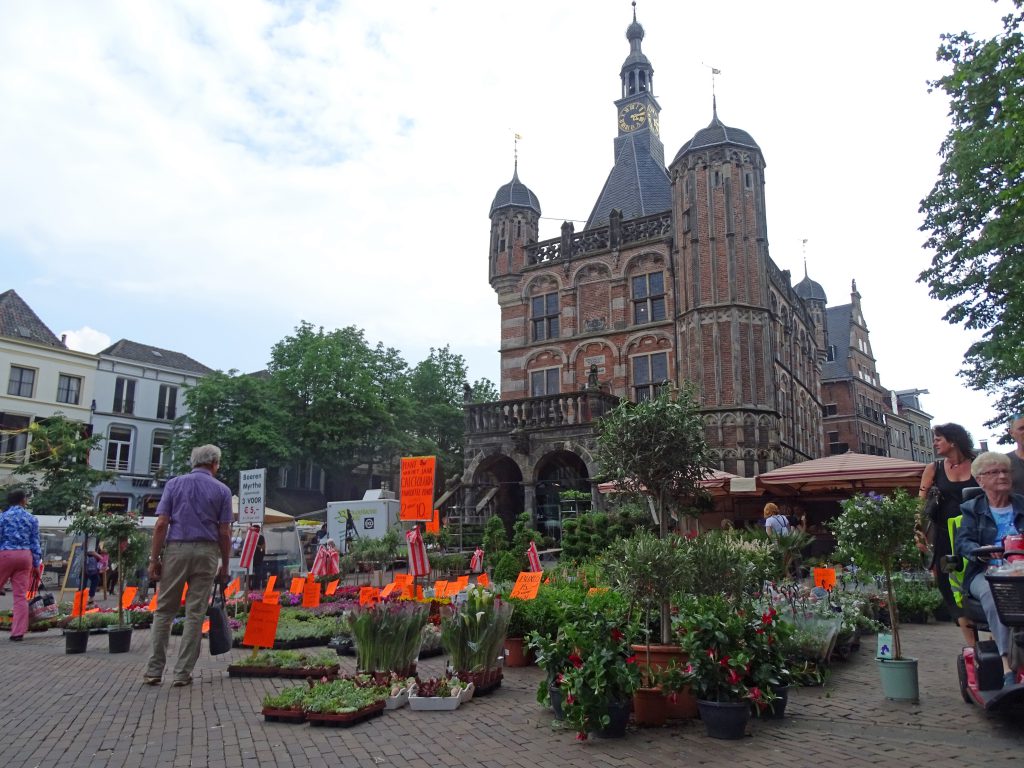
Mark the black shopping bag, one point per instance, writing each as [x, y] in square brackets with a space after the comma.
[220, 630]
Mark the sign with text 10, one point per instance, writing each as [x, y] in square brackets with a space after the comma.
[417, 497]
[252, 493]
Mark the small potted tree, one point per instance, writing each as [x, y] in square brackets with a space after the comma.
[877, 534]
[89, 523]
[121, 531]
[648, 571]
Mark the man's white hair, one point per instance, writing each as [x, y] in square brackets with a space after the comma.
[205, 456]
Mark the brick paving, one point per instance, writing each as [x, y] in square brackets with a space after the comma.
[92, 710]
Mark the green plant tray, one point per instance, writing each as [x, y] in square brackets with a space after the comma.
[347, 719]
[291, 716]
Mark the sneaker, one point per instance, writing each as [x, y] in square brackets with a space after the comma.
[182, 683]
[151, 680]
[17, 638]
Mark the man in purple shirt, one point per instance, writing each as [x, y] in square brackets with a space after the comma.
[194, 522]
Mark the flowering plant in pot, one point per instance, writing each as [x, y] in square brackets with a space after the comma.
[125, 540]
[716, 636]
[473, 636]
[648, 571]
[877, 534]
[387, 635]
[602, 672]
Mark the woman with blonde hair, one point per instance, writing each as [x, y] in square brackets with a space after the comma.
[774, 521]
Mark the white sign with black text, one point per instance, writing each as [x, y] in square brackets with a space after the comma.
[252, 490]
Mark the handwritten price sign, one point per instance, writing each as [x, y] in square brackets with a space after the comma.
[417, 500]
[527, 585]
[261, 628]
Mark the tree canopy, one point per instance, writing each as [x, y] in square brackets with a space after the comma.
[974, 214]
[57, 473]
[332, 398]
[656, 447]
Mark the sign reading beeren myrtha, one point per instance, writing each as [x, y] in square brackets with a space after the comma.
[252, 491]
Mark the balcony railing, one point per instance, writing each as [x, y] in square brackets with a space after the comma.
[568, 409]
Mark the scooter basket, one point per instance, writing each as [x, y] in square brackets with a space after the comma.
[1008, 594]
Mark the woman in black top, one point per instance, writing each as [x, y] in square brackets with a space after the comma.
[951, 474]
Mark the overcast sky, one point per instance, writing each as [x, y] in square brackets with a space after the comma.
[202, 176]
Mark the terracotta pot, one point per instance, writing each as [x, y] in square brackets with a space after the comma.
[516, 655]
[650, 707]
[683, 705]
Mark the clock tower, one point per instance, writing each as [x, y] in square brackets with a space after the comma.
[638, 185]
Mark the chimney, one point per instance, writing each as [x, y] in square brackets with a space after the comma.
[64, 339]
[984, 446]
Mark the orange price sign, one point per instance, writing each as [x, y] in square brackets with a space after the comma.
[417, 497]
[825, 578]
[233, 587]
[310, 593]
[81, 601]
[527, 585]
[596, 591]
[368, 595]
[332, 587]
[152, 603]
[461, 583]
[184, 592]
[434, 525]
[298, 584]
[388, 590]
[128, 595]
[271, 583]
[440, 588]
[483, 581]
[261, 628]
[206, 627]
[404, 579]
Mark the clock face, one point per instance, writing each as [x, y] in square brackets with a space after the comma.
[652, 117]
[632, 116]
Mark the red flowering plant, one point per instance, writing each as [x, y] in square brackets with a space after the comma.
[601, 669]
[721, 641]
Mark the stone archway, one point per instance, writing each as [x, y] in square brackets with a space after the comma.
[498, 484]
[557, 471]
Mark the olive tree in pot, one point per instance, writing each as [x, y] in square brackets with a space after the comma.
[648, 571]
[122, 533]
[656, 448]
[877, 533]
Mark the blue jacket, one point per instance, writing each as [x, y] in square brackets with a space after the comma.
[978, 529]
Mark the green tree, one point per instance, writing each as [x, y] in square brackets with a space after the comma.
[243, 415]
[484, 391]
[974, 213]
[437, 421]
[656, 447]
[58, 474]
[346, 403]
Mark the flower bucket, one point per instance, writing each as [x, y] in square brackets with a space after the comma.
[120, 639]
[724, 719]
[899, 679]
[618, 712]
[650, 707]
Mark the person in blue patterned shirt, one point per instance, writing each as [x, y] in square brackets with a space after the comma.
[20, 555]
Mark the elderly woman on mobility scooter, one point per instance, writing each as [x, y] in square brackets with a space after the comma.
[987, 520]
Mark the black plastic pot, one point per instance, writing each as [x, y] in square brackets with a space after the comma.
[76, 640]
[618, 712]
[555, 695]
[120, 639]
[724, 719]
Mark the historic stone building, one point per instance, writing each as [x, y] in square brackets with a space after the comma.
[670, 281]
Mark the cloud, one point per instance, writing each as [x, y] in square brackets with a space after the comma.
[86, 339]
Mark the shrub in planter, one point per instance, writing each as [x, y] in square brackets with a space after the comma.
[916, 600]
[474, 633]
[388, 635]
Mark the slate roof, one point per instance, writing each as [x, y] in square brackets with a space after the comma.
[515, 194]
[838, 320]
[808, 289]
[717, 133]
[143, 353]
[638, 184]
[18, 321]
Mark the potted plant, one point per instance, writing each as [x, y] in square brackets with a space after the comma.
[439, 694]
[88, 522]
[877, 534]
[473, 636]
[122, 533]
[342, 702]
[648, 571]
[552, 653]
[601, 673]
[713, 632]
[285, 706]
[387, 635]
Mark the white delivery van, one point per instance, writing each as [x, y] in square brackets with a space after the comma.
[372, 517]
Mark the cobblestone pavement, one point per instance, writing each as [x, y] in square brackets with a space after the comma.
[92, 710]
